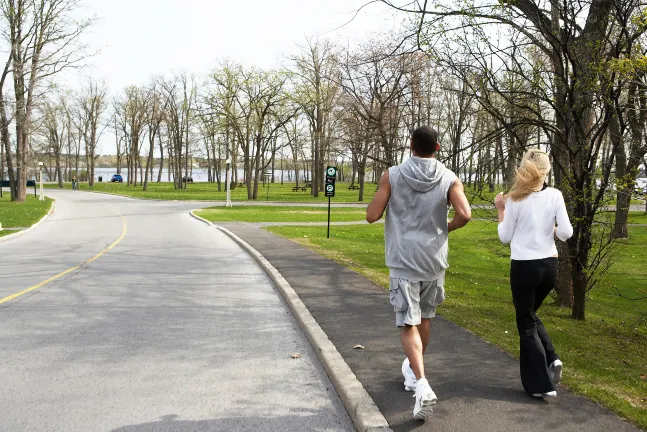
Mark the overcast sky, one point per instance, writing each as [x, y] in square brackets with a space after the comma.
[141, 38]
[138, 39]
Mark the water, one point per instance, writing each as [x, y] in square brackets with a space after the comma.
[199, 175]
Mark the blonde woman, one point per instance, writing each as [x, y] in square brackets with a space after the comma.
[527, 217]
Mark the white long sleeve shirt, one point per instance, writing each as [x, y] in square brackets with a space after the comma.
[528, 225]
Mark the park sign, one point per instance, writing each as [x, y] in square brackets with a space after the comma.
[331, 176]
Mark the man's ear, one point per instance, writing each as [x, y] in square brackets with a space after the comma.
[437, 147]
[411, 144]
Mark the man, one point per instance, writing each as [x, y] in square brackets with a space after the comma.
[418, 193]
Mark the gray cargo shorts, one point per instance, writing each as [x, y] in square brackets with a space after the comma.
[414, 300]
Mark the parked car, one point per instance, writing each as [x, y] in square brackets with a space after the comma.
[117, 178]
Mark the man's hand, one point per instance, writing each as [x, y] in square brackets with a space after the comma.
[462, 210]
[375, 209]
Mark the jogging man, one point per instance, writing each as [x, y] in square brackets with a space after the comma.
[418, 193]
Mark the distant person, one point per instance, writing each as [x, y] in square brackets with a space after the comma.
[74, 184]
[418, 193]
[527, 217]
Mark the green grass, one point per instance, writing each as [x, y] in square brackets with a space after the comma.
[604, 356]
[281, 214]
[637, 218]
[277, 192]
[209, 192]
[22, 215]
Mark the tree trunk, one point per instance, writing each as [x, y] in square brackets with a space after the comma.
[361, 175]
[564, 286]
[159, 174]
[579, 291]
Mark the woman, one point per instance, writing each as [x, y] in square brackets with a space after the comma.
[527, 217]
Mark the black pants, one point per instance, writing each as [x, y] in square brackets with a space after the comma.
[531, 282]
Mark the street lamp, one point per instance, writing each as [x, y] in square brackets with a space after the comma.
[267, 177]
[40, 167]
[228, 185]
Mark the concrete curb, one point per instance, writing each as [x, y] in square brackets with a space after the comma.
[195, 216]
[360, 406]
[34, 226]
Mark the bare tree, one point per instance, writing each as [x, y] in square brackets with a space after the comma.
[92, 105]
[317, 87]
[42, 37]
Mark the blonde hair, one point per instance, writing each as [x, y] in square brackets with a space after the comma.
[530, 175]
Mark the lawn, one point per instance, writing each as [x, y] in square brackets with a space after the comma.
[604, 356]
[281, 214]
[209, 192]
[22, 215]
[637, 218]
[277, 192]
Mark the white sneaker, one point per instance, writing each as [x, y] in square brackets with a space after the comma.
[425, 400]
[555, 371]
[551, 394]
[409, 376]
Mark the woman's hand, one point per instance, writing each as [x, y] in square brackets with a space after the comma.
[499, 202]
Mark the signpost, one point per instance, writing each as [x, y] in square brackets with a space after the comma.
[331, 176]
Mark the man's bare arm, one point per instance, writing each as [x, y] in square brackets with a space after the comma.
[462, 210]
[376, 208]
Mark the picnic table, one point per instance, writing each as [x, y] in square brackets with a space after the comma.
[299, 188]
[353, 187]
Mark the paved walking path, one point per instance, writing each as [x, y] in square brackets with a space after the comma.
[478, 384]
[175, 328]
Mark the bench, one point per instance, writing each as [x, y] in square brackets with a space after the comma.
[353, 187]
[301, 188]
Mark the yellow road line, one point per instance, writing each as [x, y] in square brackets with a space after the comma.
[53, 278]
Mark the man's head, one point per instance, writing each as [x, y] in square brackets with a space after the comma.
[424, 142]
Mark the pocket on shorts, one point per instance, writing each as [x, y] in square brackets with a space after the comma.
[440, 290]
[398, 301]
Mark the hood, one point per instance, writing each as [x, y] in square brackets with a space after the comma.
[422, 174]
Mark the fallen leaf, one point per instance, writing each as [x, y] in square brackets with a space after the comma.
[296, 355]
[643, 377]
[358, 347]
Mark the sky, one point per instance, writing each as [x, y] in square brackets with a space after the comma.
[135, 40]
[138, 39]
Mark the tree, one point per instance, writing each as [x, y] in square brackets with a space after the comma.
[55, 131]
[130, 114]
[155, 115]
[316, 74]
[42, 38]
[92, 105]
[180, 105]
[375, 85]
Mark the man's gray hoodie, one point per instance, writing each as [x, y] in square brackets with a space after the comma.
[415, 232]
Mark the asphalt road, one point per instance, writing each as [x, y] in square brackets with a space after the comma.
[174, 328]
